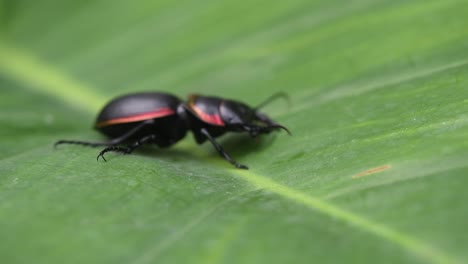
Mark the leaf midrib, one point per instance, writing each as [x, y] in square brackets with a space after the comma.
[22, 66]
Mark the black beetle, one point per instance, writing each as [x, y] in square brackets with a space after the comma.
[163, 119]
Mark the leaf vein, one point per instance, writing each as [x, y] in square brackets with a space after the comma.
[411, 244]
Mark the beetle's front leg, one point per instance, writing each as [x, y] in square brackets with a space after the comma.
[221, 151]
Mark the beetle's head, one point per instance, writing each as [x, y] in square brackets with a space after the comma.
[265, 119]
[269, 124]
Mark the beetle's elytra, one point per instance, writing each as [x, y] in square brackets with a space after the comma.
[159, 118]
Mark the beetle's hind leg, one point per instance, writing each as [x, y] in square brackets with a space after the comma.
[128, 149]
[83, 143]
[112, 142]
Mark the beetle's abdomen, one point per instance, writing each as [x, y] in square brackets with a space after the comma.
[168, 130]
[137, 107]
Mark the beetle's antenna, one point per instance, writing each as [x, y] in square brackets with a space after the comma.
[272, 98]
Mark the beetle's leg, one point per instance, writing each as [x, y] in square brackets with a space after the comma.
[221, 151]
[111, 142]
[83, 143]
[128, 149]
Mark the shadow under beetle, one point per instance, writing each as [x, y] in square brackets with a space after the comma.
[163, 119]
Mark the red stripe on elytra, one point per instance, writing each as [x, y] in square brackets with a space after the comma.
[138, 117]
[214, 119]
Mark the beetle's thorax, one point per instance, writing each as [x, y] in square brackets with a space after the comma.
[184, 114]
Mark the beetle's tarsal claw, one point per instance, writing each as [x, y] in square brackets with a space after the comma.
[100, 156]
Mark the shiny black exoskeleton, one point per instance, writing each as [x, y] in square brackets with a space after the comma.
[163, 119]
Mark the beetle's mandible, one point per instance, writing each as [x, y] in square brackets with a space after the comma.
[133, 120]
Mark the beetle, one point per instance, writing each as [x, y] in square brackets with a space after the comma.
[136, 119]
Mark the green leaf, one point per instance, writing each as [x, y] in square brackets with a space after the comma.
[375, 170]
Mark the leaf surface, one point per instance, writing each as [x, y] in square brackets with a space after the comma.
[375, 170]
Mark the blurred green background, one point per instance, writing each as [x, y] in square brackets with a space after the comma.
[376, 169]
